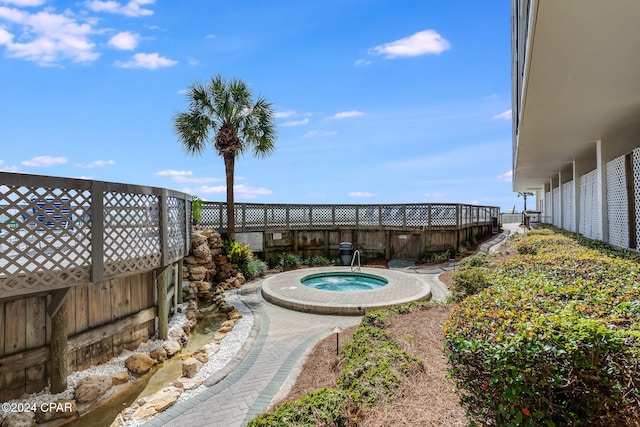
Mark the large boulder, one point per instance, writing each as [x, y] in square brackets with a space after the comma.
[92, 387]
[172, 348]
[61, 408]
[139, 364]
[190, 367]
[120, 378]
[157, 403]
[20, 419]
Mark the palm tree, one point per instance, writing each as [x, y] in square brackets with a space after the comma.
[525, 194]
[225, 115]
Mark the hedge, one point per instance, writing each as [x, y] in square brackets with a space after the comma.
[554, 341]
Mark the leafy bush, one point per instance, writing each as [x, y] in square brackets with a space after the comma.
[433, 257]
[254, 268]
[478, 260]
[196, 209]
[554, 341]
[238, 253]
[469, 281]
[289, 261]
[317, 260]
[325, 407]
[375, 364]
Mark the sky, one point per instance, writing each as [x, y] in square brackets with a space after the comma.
[376, 101]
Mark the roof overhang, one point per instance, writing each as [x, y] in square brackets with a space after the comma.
[582, 83]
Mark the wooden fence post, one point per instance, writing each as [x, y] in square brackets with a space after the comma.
[162, 283]
[58, 349]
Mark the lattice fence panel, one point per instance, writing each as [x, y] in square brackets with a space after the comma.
[589, 209]
[131, 233]
[45, 238]
[254, 217]
[636, 184]
[299, 217]
[391, 215]
[176, 227]
[277, 216]
[445, 215]
[465, 215]
[211, 214]
[417, 215]
[568, 211]
[345, 215]
[321, 216]
[617, 203]
[368, 216]
[548, 211]
[557, 214]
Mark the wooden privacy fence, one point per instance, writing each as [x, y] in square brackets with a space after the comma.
[426, 216]
[86, 267]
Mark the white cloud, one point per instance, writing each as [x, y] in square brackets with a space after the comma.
[284, 114]
[317, 194]
[96, 164]
[434, 195]
[7, 168]
[505, 115]
[506, 177]
[361, 194]
[172, 172]
[346, 114]
[45, 161]
[48, 37]
[150, 61]
[23, 3]
[186, 177]
[314, 133]
[124, 40]
[210, 36]
[296, 122]
[421, 43]
[240, 191]
[133, 8]
[362, 62]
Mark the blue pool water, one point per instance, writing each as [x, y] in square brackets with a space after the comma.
[344, 281]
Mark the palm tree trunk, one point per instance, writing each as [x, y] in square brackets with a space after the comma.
[229, 168]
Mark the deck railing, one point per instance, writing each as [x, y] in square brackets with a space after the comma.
[62, 232]
[425, 216]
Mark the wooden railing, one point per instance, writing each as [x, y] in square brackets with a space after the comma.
[425, 216]
[61, 232]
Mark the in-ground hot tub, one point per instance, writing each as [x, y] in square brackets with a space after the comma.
[344, 281]
[287, 290]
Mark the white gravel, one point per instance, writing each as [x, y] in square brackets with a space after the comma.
[229, 346]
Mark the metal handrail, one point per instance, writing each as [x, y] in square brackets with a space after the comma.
[356, 253]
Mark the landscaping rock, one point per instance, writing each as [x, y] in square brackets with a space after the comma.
[20, 419]
[62, 408]
[159, 354]
[91, 388]
[139, 364]
[172, 348]
[187, 383]
[120, 378]
[197, 273]
[201, 355]
[190, 367]
[157, 403]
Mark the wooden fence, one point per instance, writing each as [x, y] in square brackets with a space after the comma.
[86, 267]
[424, 216]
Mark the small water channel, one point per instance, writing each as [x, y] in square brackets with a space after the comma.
[159, 376]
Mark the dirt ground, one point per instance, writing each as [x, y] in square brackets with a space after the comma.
[426, 399]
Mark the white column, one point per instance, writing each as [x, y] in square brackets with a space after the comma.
[601, 164]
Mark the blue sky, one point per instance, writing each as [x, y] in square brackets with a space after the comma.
[378, 101]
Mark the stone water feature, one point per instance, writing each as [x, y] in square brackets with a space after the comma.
[155, 379]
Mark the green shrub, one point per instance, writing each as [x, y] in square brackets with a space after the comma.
[254, 268]
[196, 209]
[289, 261]
[469, 281]
[238, 253]
[375, 364]
[317, 260]
[433, 257]
[554, 341]
[478, 260]
[325, 407]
